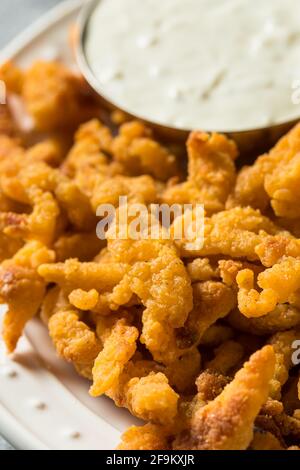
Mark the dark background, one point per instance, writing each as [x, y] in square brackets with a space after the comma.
[16, 15]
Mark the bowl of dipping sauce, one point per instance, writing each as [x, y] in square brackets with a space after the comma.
[179, 65]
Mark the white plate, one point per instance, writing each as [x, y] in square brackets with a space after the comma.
[44, 404]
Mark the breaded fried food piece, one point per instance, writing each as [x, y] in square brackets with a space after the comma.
[212, 301]
[148, 437]
[140, 154]
[164, 288]
[211, 172]
[22, 289]
[73, 339]
[54, 301]
[118, 349]
[283, 318]
[48, 89]
[87, 161]
[226, 423]
[272, 178]
[278, 285]
[140, 189]
[151, 398]
[273, 248]
[229, 269]
[283, 347]
[183, 372]
[40, 225]
[12, 76]
[73, 275]
[210, 384]
[234, 233]
[200, 269]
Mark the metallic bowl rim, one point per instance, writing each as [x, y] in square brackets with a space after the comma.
[85, 68]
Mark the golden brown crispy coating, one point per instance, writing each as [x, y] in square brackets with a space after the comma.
[278, 285]
[283, 348]
[140, 154]
[140, 189]
[47, 89]
[200, 269]
[148, 437]
[272, 177]
[210, 384]
[22, 289]
[183, 372]
[212, 301]
[40, 225]
[162, 284]
[73, 339]
[12, 76]
[226, 423]
[211, 172]
[283, 318]
[73, 275]
[118, 349]
[234, 233]
[151, 398]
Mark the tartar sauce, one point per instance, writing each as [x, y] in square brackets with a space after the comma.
[211, 64]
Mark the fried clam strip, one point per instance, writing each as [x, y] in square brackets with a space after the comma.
[48, 88]
[159, 279]
[212, 301]
[137, 384]
[272, 177]
[217, 418]
[235, 233]
[87, 161]
[148, 437]
[139, 153]
[12, 76]
[18, 180]
[141, 189]
[73, 275]
[22, 289]
[73, 339]
[201, 269]
[226, 423]
[272, 249]
[40, 225]
[125, 377]
[283, 347]
[211, 173]
[279, 285]
[119, 347]
[283, 318]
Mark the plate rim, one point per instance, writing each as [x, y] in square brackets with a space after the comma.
[11, 429]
